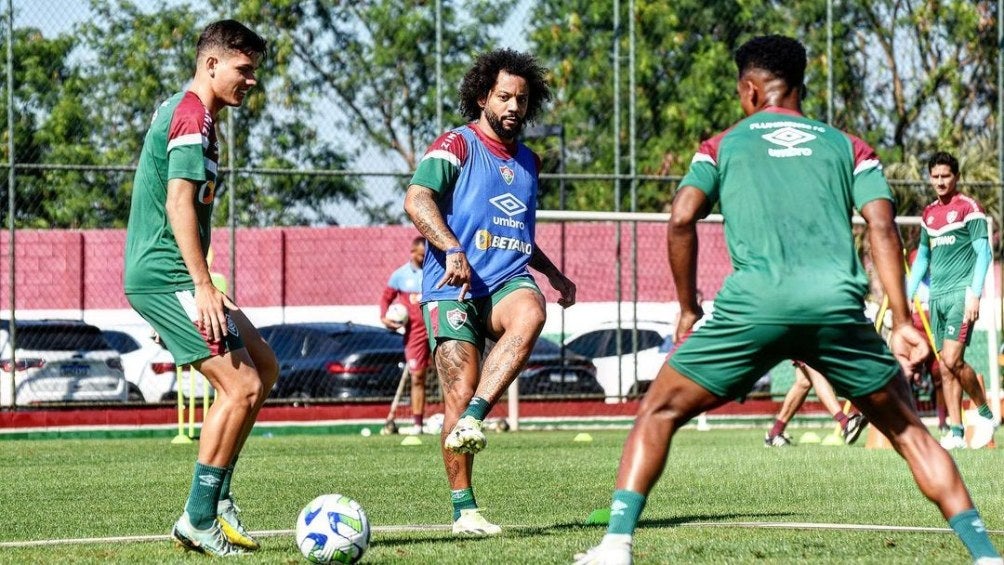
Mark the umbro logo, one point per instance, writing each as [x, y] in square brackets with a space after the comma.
[618, 508]
[509, 204]
[789, 138]
[209, 480]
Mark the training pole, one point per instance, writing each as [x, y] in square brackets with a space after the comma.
[181, 438]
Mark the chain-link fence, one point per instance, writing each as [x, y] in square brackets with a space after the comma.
[309, 217]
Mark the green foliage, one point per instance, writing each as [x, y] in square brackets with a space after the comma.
[375, 60]
[347, 79]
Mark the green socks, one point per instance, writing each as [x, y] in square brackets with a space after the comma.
[969, 527]
[624, 512]
[228, 473]
[462, 499]
[478, 408]
[984, 411]
[205, 493]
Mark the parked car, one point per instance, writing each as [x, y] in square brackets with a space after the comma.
[149, 366]
[335, 360]
[58, 361]
[547, 373]
[655, 340]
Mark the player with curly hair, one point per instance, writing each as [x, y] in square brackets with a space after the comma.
[474, 198]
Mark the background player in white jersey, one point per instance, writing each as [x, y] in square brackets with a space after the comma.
[787, 187]
[474, 198]
[167, 278]
[954, 247]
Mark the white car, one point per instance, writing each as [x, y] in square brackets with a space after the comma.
[616, 370]
[149, 366]
[58, 361]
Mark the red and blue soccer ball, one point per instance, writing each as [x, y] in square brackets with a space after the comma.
[332, 528]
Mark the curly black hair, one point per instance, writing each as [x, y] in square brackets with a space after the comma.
[943, 158]
[781, 56]
[482, 76]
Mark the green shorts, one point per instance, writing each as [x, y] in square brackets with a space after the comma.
[468, 320]
[947, 312]
[172, 315]
[727, 358]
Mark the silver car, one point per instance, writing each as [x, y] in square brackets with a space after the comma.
[58, 361]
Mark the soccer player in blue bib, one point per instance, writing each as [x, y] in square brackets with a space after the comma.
[787, 186]
[474, 198]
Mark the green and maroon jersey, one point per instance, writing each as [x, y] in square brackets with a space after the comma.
[181, 143]
[787, 186]
[949, 232]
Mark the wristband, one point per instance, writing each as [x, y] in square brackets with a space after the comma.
[453, 250]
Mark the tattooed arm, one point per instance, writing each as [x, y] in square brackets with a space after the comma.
[420, 205]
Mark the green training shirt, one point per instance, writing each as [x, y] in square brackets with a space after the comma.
[788, 186]
[181, 143]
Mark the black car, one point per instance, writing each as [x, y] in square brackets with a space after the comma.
[547, 373]
[335, 360]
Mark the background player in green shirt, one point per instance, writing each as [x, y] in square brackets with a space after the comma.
[954, 247]
[787, 187]
[167, 278]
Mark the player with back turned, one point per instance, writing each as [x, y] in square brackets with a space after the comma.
[787, 186]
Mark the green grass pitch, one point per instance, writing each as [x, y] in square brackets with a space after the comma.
[718, 491]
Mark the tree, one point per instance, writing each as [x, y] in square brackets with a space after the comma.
[375, 60]
[271, 130]
[46, 121]
[684, 84]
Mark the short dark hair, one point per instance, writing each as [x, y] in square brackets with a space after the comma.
[483, 75]
[231, 35]
[419, 240]
[943, 158]
[779, 55]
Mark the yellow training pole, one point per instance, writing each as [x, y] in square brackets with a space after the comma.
[191, 403]
[181, 438]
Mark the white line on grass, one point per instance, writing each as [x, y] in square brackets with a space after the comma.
[446, 527]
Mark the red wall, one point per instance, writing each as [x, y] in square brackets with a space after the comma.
[58, 269]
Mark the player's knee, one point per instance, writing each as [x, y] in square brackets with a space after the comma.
[268, 373]
[535, 318]
[953, 366]
[418, 379]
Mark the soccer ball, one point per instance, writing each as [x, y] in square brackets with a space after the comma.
[332, 529]
[398, 313]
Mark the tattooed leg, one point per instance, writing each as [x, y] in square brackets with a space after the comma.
[457, 365]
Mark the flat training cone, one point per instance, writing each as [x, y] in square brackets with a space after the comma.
[411, 440]
[810, 437]
[833, 439]
[583, 437]
[599, 517]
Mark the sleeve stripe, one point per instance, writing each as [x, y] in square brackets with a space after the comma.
[703, 158]
[866, 165]
[187, 139]
[445, 155]
[210, 166]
